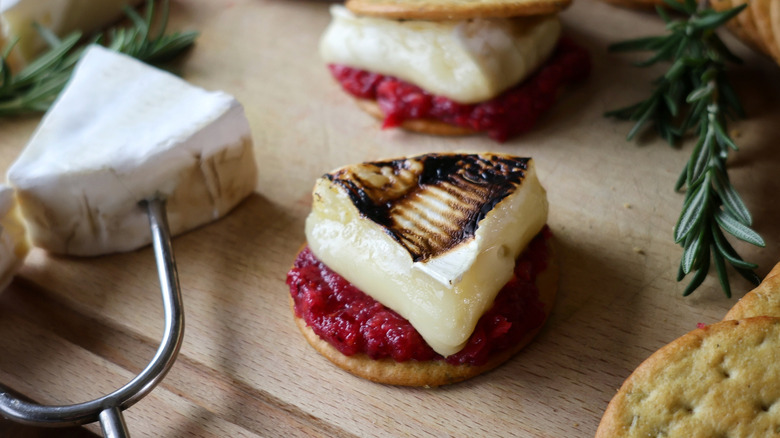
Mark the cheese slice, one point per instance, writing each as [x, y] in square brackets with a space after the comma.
[467, 61]
[433, 237]
[121, 132]
[59, 16]
[14, 245]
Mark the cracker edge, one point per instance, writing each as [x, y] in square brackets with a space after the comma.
[421, 126]
[611, 425]
[764, 300]
[433, 11]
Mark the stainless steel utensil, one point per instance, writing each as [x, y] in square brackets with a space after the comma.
[108, 409]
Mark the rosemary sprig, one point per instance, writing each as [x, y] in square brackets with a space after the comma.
[34, 88]
[695, 96]
[137, 41]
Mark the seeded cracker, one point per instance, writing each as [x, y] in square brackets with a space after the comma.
[718, 381]
[434, 10]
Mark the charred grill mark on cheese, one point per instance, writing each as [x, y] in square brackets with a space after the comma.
[433, 203]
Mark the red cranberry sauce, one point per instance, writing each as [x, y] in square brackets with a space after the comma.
[513, 112]
[353, 322]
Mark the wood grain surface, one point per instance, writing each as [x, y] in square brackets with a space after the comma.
[75, 328]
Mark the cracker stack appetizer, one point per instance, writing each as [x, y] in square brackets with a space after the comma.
[427, 270]
[716, 381]
[453, 67]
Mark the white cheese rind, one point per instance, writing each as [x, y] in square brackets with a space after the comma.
[13, 239]
[122, 132]
[444, 314]
[467, 61]
[59, 16]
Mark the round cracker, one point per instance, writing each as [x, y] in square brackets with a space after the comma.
[721, 380]
[423, 126]
[436, 10]
[433, 372]
[764, 300]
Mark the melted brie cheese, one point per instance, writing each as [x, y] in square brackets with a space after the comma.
[59, 16]
[121, 132]
[467, 61]
[433, 237]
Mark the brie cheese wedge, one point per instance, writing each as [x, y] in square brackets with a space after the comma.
[59, 16]
[13, 238]
[467, 61]
[433, 237]
[122, 132]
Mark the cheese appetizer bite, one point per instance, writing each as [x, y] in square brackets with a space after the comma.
[453, 68]
[427, 270]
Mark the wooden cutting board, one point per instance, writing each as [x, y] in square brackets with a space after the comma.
[75, 328]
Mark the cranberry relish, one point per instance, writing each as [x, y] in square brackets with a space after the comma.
[511, 113]
[353, 322]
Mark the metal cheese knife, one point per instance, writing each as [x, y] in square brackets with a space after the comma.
[108, 409]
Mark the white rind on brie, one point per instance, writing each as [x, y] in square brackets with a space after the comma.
[442, 284]
[467, 61]
[122, 132]
[13, 238]
[59, 16]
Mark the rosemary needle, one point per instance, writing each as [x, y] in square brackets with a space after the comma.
[695, 96]
[34, 88]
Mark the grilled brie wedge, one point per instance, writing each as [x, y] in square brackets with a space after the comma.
[433, 237]
[467, 61]
[121, 132]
